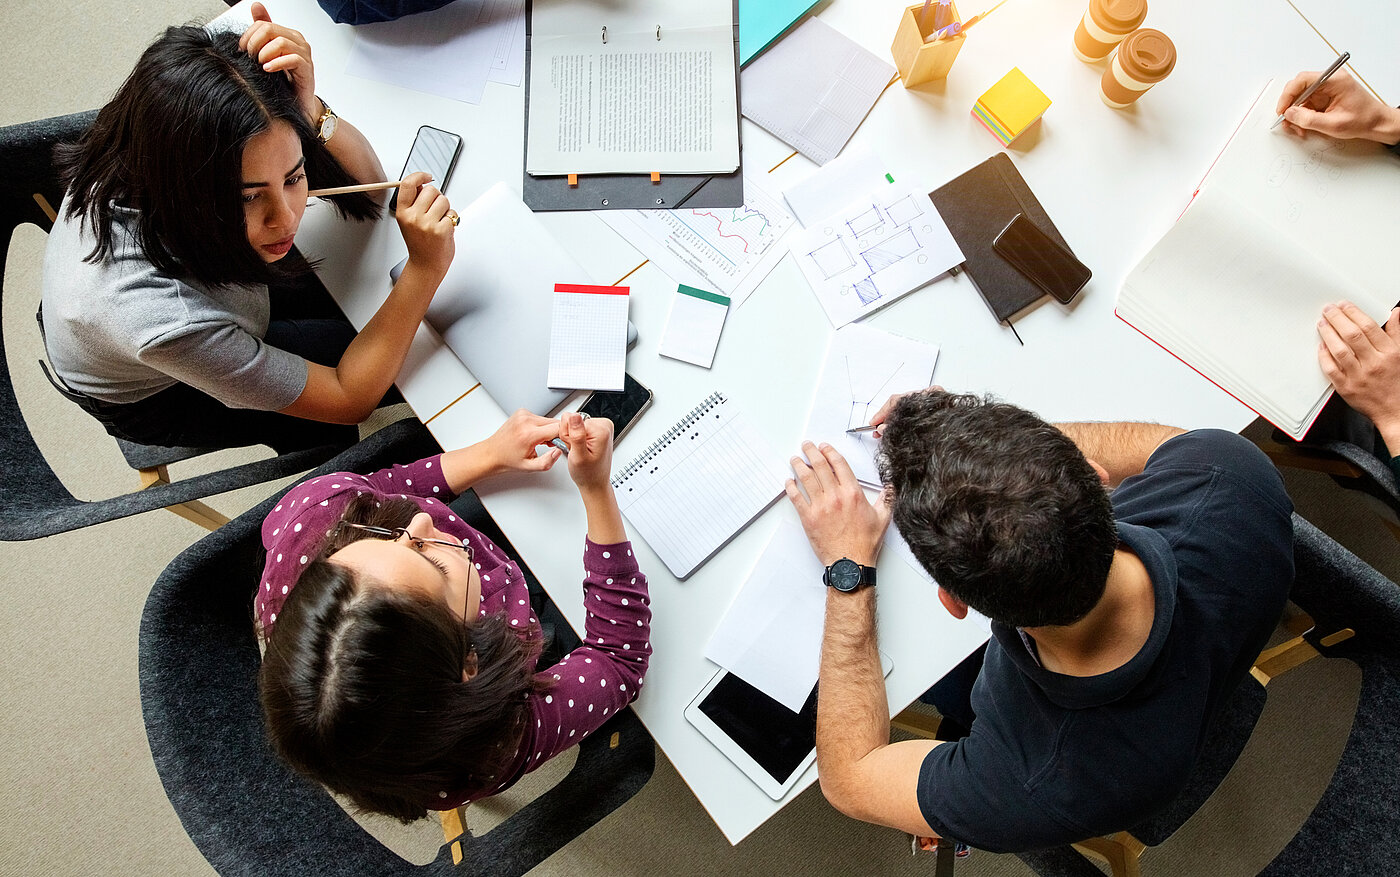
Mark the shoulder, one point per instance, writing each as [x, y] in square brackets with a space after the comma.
[1214, 461]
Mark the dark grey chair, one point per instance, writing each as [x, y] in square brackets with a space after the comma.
[36, 502]
[1351, 467]
[246, 811]
[1338, 591]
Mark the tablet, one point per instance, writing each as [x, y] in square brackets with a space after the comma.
[770, 743]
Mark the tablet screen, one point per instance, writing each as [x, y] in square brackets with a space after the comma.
[775, 737]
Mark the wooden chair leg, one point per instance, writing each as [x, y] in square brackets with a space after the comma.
[454, 825]
[920, 724]
[1278, 660]
[194, 511]
[1121, 851]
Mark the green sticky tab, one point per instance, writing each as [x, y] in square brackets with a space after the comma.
[889, 178]
[702, 294]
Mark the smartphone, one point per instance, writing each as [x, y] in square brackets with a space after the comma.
[435, 151]
[1043, 261]
[622, 407]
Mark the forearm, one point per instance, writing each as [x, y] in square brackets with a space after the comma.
[604, 518]
[356, 155]
[852, 712]
[464, 467]
[371, 363]
[1121, 448]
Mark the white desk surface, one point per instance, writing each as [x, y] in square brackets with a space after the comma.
[1112, 180]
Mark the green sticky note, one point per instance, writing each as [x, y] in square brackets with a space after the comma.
[762, 21]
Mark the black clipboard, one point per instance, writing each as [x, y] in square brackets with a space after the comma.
[630, 191]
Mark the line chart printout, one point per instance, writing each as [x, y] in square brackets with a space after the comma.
[864, 367]
[874, 251]
[722, 249]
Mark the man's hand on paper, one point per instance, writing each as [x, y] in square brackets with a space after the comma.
[839, 520]
[1362, 360]
[1341, 107]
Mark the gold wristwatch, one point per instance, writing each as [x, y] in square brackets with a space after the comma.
[325, 126]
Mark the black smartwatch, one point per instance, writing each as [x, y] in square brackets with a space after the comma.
[845, 575]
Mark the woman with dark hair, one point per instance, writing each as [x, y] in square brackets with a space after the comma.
[400, 668]
[183, 202]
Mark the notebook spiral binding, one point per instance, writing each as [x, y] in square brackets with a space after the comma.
[681, 426]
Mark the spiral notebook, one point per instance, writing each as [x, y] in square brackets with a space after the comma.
[699, 484]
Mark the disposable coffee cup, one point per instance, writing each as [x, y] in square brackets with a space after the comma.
[1104, 25]
[1144, 58]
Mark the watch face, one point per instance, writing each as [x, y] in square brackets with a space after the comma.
[328, 127]
[844, 575]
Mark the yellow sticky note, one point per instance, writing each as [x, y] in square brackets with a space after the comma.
[1010, 106]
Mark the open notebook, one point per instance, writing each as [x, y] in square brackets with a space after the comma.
[699, 484]
[1280, 226]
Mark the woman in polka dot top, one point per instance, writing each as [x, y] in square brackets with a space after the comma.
[400, 666]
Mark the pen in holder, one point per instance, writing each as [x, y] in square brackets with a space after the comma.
[918, 61]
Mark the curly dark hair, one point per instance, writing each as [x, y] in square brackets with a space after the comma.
[362, 686]
[1000, 507]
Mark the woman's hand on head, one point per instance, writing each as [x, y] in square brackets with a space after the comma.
[425, 222]
[280, 48]
[512, 447]
[590, 442]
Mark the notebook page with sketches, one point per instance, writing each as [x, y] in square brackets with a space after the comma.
[864, 367]
[1281, 226]
[597, 102]
[699, 483]
[588, 337]
[873, 251]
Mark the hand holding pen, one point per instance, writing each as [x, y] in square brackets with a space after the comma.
[1340, 107]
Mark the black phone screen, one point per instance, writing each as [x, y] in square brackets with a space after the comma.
[774, 736]
[1041, 259]
[621, 407]
[435, 151]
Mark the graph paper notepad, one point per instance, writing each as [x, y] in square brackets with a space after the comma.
[699, 484]
[588, 337]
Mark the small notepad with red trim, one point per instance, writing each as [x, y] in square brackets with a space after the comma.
[1011, 106]
[588, 337]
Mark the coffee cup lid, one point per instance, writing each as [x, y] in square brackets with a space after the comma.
[1120, 15]
[1147, 55]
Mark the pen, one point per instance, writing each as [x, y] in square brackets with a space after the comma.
[858, 429]
[1326, 74]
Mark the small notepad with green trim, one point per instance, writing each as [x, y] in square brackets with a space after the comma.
[694, 325]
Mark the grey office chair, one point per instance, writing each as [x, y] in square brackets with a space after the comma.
[243, 808]
[35, 501]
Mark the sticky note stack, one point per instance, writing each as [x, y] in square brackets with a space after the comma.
[1011, 106]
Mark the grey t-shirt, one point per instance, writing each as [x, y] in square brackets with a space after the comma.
[119, 330]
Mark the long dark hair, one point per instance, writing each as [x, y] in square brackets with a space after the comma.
[170, 145]
[362, 686]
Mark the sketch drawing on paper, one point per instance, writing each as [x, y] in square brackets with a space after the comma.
[864, 404]
[874, 251]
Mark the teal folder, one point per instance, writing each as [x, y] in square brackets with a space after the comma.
[763, 21]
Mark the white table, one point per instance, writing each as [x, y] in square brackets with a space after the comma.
[1112, 180]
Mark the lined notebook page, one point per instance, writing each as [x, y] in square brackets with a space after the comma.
[699, 484]
[588, 337]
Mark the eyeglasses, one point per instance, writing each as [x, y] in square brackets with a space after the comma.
[397, 533]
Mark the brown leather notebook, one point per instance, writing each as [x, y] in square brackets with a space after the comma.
[977, 205]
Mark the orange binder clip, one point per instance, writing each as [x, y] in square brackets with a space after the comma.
[655, 177]
[573, 181]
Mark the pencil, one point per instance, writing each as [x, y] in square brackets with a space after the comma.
[860, 429]
[349, 190]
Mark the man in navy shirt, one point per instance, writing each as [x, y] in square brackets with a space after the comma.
[1132, 573]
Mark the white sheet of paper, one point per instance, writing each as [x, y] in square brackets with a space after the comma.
[635, 103]
[508, 60]
[694, 325]
[727, 249]
[771, 635]
[875, 250]
[587, 339]
[447, 52]
[864, 367]
[813, 88]
[834, 185]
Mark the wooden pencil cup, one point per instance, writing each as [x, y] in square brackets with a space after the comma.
[918, 61]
